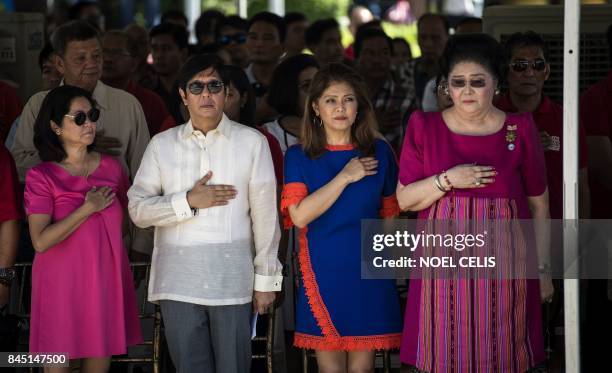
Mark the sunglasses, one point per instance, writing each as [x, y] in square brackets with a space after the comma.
[81, 117]
[197, 87]
[236, 38]
[538, 64]
[461, 83]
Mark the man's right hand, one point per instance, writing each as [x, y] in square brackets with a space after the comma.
[107, 145]
[203, 196]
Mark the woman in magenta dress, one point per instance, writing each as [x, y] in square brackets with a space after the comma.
[473, 161]
[83, 300]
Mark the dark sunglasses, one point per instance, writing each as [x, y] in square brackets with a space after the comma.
[81, 117]
[460, 83]
[197, 87]
[237, 38]
[522, 65]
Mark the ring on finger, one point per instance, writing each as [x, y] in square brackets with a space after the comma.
[477, 182]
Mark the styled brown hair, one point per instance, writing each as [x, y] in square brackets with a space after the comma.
[363, 131]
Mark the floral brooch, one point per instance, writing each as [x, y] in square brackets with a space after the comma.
[511, 136]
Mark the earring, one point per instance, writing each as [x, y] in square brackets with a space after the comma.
[58, 132]
[317, 121]
[497, 91]
[445, 91]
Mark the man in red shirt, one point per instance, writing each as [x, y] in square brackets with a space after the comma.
[528, 70]
[119, 66]
[10, 108]
[10, 214]
[596, 114]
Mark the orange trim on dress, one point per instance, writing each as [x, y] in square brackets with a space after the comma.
[292, 194]
[331, 339]
[311, 288]
[390, 207]
[369, 342]
[340, 147]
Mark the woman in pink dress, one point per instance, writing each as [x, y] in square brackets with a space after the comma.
[473, 161]
[83, 299]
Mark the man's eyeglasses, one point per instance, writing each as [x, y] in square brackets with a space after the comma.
[236, 38]
[197, 87]
[538, 64]
[81, 117]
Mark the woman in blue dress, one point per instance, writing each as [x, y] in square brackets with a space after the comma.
[340, 174]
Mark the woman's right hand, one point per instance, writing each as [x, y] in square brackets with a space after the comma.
[466, 176]
[97, 199]
[358, 168]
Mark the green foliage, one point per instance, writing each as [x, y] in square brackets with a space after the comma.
[394, 30]
[226, 6]
[313, 9]
[408, 32]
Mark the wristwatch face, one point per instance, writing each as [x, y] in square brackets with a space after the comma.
[7, 273]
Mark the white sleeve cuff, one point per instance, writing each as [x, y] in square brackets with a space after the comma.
[181, 206]
[268, 283]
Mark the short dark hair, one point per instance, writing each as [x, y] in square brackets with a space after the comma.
[401, 40]
[208, 22]
[291, 17]
[314, 33]
[234, 21]
[375, 23]
[72, 31]
[283, 92]
[199, 63]
[524, 39]
[53, 108]
[178, 33]
[440, 17]
[466, 20]
[45, 54]
[239, 79]
[272, 19]
[173, 13]
[74, 12]
[479, 48]
[130, 43]
[369, 33]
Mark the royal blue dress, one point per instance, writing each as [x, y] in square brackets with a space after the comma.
[336, 308]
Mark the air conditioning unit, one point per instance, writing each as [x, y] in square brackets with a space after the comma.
[548, 21]
[21, 39]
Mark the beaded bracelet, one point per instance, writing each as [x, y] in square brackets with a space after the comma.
[446, 180]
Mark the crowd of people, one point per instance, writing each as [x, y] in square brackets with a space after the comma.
[221, 162]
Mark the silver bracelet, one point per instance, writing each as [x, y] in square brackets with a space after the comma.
[439, 184]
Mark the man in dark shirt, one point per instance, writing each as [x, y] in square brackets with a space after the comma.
[169, 48]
